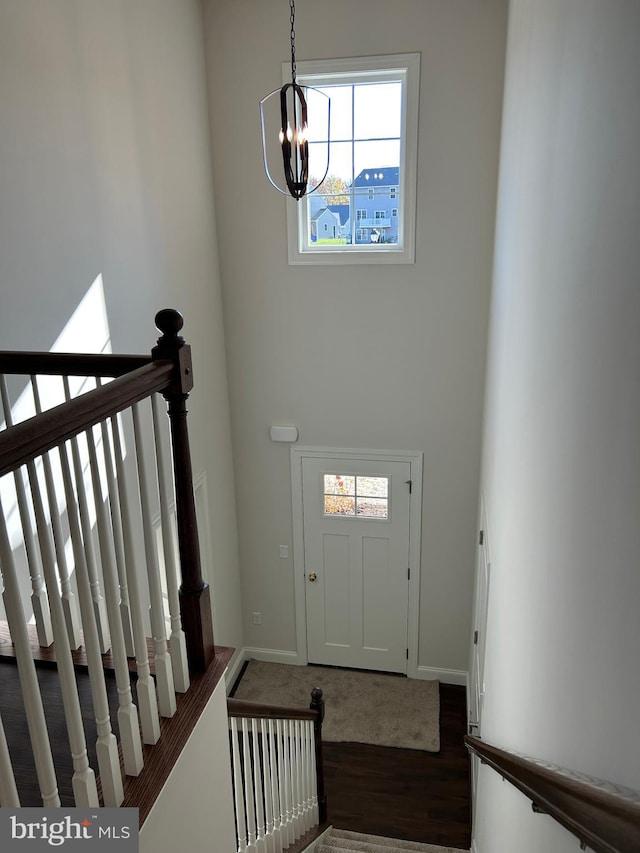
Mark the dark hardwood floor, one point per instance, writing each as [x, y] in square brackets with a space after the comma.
[17, 732]
[405, 793]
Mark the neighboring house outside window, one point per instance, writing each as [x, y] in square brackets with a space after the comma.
[365, 210]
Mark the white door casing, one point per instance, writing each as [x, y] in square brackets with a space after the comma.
[476, 676]
[362, 608]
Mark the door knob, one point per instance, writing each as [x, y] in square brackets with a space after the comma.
[312, 576]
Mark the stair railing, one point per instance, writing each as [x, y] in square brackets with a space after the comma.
[604, 817]
[66, 504]
[278, 776]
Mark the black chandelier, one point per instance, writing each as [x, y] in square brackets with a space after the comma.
[293, 135]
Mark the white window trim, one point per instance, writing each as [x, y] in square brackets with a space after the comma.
[366, 68]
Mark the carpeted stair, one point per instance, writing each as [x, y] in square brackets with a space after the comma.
[341, 840]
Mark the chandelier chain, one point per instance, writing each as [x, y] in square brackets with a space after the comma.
[292, 18]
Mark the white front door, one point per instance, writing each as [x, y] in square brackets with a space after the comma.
[356, 553]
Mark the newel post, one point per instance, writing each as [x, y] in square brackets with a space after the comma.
[317, 704]
[195, 604]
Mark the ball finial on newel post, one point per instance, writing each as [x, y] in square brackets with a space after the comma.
[317, 701]
[169, 322]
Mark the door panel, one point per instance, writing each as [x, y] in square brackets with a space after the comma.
[334, 584]
[356, 547]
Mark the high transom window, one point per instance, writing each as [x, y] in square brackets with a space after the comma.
[373, 144]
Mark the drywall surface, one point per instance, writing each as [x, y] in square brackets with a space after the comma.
[106, 209]
[379, 357]
[195, 807]
[561, 468]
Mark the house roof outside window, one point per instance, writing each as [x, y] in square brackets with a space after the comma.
[381, 176]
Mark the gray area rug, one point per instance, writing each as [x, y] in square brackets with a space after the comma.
[360, 707]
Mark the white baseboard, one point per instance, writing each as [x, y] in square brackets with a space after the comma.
[446, 676]
[474, 847]
[234, 668]
[426, 673]
[250, 653]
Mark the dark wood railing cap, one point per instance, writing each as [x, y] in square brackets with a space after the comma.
[257, 710]
[604, 817]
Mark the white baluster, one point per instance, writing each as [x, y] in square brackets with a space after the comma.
[39, 602]
[275, 797]
[238, 787]
[145, 685]
[162, 658]
[285, 781]
[99, 604]
[257, 790]
[313, 783]
[118, 538]
[306, 778]
[248, 786]
[68, 599]
[8, 791]
[128, 724]
[266, 787]
[302, 790]
[178, 640]
[27, 671]
[106, 744]
[83, 779]
[295, 777]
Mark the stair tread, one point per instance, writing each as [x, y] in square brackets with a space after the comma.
[376, 848]
[345, 840]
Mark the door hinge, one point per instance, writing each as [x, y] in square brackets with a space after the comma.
[481, 537]
[408, 574]
[475, 638]
[410, 484]
[407, 654]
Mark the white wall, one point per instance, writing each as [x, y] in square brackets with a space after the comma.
[369, 357]
[561, 469]
[105, 169]
[198, 795]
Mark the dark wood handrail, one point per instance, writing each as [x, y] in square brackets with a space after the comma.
[604, 821]
[258, 710]
[33, 437]
[69, 363]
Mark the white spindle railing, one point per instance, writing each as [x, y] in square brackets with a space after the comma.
[274, 779]
[99, 605]
[273, 783]
[118, 538]
[80, 538]
[8, 790]
[128, 723]
[68, 599]
[165, 492]
[34, 710]
[145, 685]
[162, 659]
[83, 779]
[285, 781]
[106, 744]
[39, 601]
